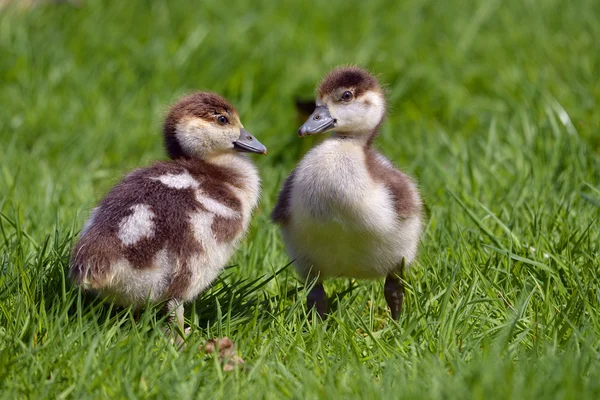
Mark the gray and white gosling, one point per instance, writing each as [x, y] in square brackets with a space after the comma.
[346, 211]
[166, 231]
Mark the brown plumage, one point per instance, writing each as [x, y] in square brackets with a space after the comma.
[281, 212]
[203, 105]
[400, 186]
[165, 231]
[100, 246]
[348, 77]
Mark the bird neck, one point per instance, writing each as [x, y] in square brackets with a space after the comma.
[229, 160]
[362, 138]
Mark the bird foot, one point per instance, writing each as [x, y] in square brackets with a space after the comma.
[317, 299]
[394, 295]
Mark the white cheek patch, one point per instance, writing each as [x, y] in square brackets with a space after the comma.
[137, 226]
[189, 134]
[200, 137]
[180, 181]
[361, 115]
[376, 109]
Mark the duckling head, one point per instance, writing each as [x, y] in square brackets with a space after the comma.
[203, 125]
[350, 102]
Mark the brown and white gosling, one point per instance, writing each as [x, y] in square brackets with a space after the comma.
[346, 211]
[166, 231]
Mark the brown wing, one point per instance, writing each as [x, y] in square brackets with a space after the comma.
[407, 201]
[100, 245]
[281, 212]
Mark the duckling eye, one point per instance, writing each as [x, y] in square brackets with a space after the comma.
[222, 120]
[347, 96]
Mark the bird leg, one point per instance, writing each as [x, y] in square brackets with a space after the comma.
[317, 298]
[174, 309]
[223, 347]
[394, 294]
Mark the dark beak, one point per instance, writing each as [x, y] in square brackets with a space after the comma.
[320, 121]
[248, 143]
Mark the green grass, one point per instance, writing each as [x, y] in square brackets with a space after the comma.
[494, 108]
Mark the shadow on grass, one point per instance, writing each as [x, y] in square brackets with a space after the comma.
[237, 300]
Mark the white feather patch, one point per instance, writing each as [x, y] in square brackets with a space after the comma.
[179, 181]
[136, 226]
[206, 265]
[215, 206]
[201, 222]
[130, 285]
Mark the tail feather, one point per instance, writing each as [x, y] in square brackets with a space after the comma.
[92, 259]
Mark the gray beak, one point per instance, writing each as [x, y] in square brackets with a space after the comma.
[320, 121]
[248, 143]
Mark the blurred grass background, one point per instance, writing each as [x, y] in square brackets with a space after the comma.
[493, 108]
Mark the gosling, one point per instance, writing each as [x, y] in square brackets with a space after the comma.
[165, 232]
[346, 211]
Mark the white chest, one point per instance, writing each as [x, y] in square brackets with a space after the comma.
[333, 184]
[343, 223]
